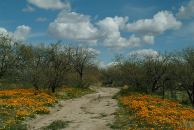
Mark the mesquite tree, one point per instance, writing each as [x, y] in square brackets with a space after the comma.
[80, 59]
[184, 72]
[7, 55]
[56, 65]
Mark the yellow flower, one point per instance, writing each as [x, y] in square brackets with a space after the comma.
[23, 103]
[158, 111]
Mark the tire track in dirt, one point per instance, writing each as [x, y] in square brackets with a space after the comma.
[90, 112]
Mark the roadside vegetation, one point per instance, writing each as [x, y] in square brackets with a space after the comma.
[35, 78]
[167, 75]
[157, 90]
[140, 110]
[17, 105]
[56, 125]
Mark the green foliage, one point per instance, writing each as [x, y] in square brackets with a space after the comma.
[17, 127]
[57, 125]
[4, 84]
[45, 66]
[122, 119]
[155, 75]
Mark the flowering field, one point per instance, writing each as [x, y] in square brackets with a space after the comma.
[154, 112]
[18, 104]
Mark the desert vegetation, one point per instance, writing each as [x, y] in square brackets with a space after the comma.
[46, 66]
[156, 91]
[168, 75]
[30, 76]
[155, 79]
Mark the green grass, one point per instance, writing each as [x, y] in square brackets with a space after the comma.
[17, 127]
[122, 119]
[122, 114]
[11, 85]
[57, 125]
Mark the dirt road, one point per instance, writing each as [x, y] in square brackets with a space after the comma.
[90, 112]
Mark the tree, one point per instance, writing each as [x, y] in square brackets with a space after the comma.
[155, 70]
[28, 67]
[7, 55]
[56, 65]
[81, 58]
[184, 72]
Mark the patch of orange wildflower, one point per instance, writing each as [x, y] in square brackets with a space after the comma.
[158, 112]
[16, 104]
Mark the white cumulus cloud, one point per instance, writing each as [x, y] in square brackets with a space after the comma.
[143, 53]
[160, 22]
[104, 65]
[110, 31]
[75, 26]
[95, 51]
[50, 4]
[72, 25]
[149, 39]
[20, 34]
[186, 12]
[3, 31]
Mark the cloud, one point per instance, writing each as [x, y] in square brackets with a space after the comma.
[95, 51]
[186, 12]
[119, 42]
[110, 31]
[104, 65]
[75, 26]
[160, 22]
[115, 23]
[3, 31]
[28, 9]
[50, 4]
[148, 39]
[41, 19]
[143, 53]
[185, 34]
[72, 25]
[20, 34]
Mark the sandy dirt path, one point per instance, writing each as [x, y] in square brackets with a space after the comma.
[90, 112]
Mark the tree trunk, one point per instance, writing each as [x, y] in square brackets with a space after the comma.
[81, 79]
[1, 75]
[154, 86]
[193, 94]
[163, 91]
[53, 89]
[81, 76]
[35, 86]
[190, 95]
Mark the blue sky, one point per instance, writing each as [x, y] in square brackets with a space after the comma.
[110, 27]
